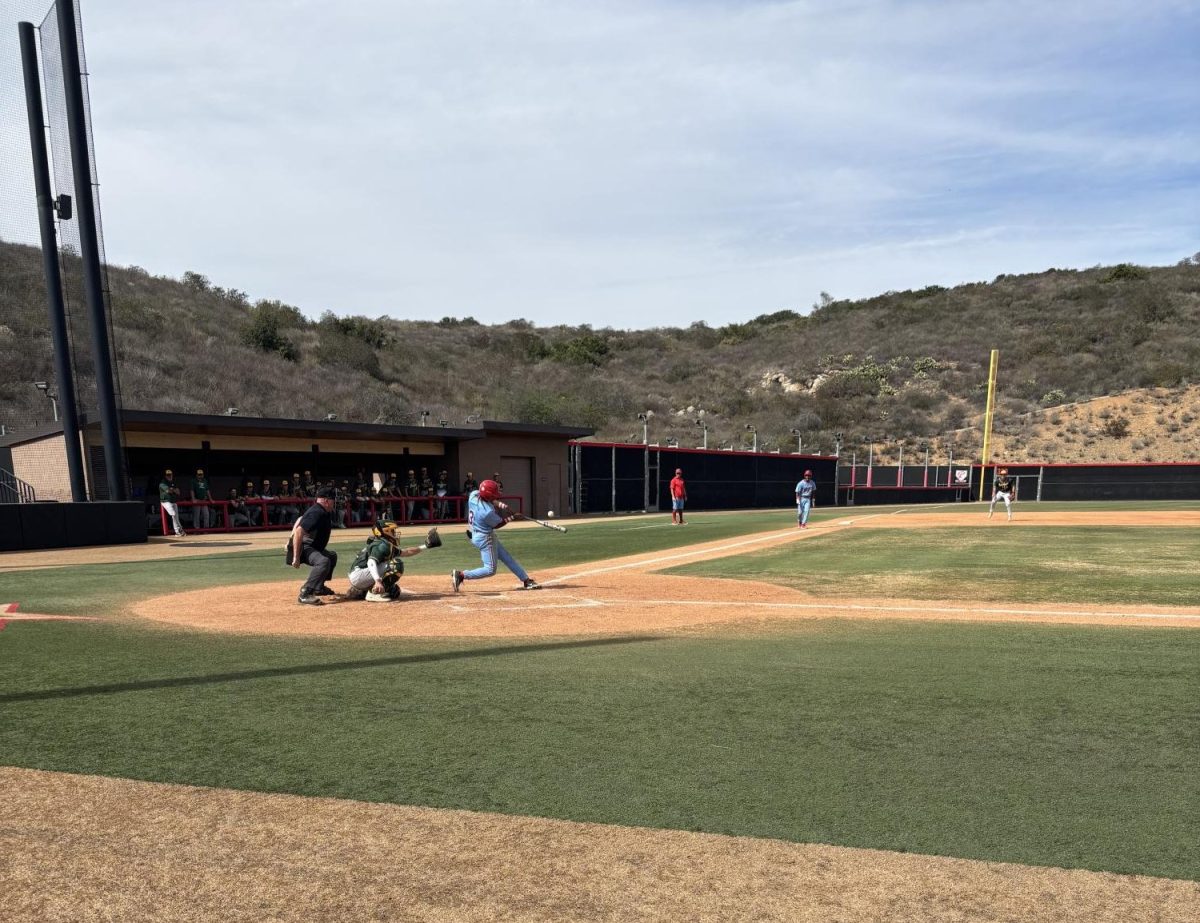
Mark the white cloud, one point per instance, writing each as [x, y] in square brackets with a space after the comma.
[638, 163]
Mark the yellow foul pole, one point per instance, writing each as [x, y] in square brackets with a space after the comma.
[987, 418]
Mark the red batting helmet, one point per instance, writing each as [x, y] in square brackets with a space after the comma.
[489, 490]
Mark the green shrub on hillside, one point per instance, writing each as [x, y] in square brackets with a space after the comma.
[588, 349]
[264, 329]
[371, 332]
[1126, 272]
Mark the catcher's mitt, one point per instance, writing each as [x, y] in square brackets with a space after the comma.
[432, 539]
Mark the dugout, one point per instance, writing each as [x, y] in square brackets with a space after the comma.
[619, 477]
[235, 449]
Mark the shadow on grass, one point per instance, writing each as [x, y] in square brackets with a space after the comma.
[214, 678]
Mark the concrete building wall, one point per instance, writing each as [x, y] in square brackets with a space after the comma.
[548, 460]
[43, 465]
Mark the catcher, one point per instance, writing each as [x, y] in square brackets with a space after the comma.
[375, 574]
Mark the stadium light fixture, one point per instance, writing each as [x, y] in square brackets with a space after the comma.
[330, 417]
[231, 411]
[44, 387]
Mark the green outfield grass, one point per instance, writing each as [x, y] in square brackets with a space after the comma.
[1115, 565]
[1055, 745]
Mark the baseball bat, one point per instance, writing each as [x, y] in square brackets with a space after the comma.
[541, 522]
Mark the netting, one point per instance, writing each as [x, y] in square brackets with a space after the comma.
[26, 353]
[20, 243]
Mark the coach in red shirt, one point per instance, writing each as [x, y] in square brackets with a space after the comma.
[678, 496]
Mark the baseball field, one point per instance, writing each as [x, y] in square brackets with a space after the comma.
[896, 714]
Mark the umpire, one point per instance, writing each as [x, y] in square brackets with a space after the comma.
[311, 535]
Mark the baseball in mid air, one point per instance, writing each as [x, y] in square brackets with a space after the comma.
[549, 514]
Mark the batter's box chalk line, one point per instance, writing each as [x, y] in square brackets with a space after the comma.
[570, 602]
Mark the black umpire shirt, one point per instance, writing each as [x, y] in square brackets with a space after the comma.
[317, 525]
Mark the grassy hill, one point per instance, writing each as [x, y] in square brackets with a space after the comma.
[908, 366]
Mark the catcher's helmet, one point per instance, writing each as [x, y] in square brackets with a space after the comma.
[385, 528]
[489, 490]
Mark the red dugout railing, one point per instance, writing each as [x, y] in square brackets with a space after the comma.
[278, 514]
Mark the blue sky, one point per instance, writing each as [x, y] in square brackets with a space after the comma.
[639, 164]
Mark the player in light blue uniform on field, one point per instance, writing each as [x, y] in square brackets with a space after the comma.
[806, 492]
[485, 514]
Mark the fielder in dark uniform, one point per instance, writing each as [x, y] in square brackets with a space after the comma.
[310, 535]
[1002, 489]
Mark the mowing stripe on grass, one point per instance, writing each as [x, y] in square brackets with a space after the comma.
[855, 607]
[704, 551]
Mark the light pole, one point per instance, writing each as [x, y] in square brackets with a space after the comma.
[645, 418]
[799, 442]
[424, 417]
[837, 444]
[750, 429]
[704, 425]
[44, 387]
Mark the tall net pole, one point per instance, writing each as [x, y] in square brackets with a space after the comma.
[987, 419]
[93, 282]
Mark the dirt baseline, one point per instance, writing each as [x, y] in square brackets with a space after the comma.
[619, 596]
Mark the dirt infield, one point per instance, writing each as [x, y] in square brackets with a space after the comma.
[619, 596]
[143, 851]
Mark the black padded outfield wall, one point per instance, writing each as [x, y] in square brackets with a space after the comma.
[1167, 481]
[612, 478]
[1117, 481]
[28, 526]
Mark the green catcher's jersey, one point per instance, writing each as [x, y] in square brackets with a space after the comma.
[378, 548]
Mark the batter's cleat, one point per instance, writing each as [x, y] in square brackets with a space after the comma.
[306, 600]
[531, 584]
[456, 579]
